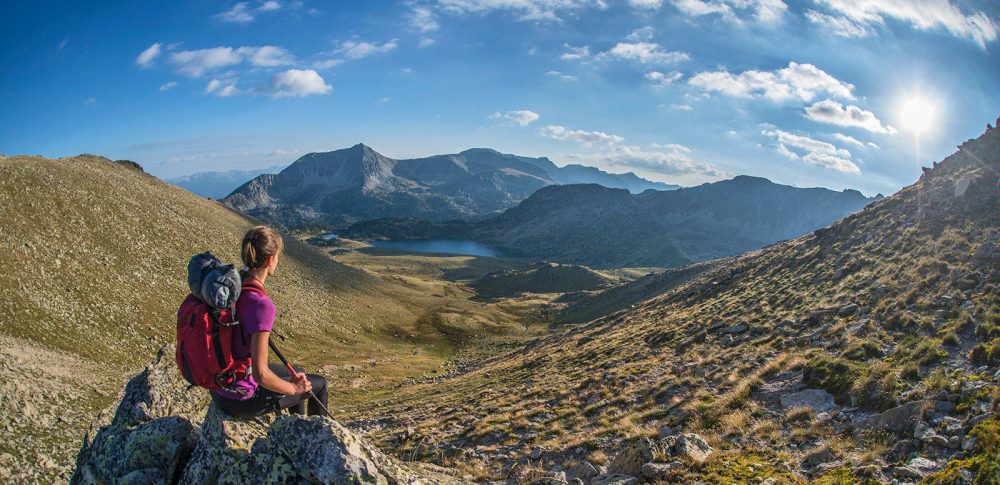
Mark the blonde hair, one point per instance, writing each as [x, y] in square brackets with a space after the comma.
[260, 243]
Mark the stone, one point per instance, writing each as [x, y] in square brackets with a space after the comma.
[583, 471]
[693, 447]
[846, 310]
[944, 407]
[727, 340]
[954, 442]
[922, 431]
[816, 458]
[630, 460]
[614, 479]
[818, 400]
[900, 419]
[901, 450]
[160, 431]
[657, 471]
[536, 452]
[735, 329]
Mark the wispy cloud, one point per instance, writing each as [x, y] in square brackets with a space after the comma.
[647, 4]
[660, 79]
[736, 11]
[168, 86]
[848, 139]
[574, 53]
[145, 58]
[644, 53]
[243, 13]
[561, 76]
[195, 63]
[976, 25]
[797, 81]
[222, 88]
[582, 137]
[528, 10]
[842, 26]
[834, 113]
[298, 83]
[521, 117]
[353, 50]
[422, 19]
[813, 151]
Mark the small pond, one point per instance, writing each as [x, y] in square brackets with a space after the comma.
[443, 246]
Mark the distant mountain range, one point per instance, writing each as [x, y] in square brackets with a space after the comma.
[354, 184]
[603, 227]
[217, 185]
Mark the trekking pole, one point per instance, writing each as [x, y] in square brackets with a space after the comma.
[283, 360]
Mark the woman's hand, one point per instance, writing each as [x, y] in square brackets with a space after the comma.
[302, 385]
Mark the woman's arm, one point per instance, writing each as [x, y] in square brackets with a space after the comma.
[263, 375]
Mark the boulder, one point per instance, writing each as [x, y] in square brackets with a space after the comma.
[162, 432]
[657, 471]
[816, 399]
[846, 310]
[900, 419]
[614, 479]
[630, 460]
[734, 329]
[693, 447]
[584, 471]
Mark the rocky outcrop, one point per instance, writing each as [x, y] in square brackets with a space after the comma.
[162, 432]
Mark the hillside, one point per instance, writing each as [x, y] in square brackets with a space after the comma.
[337, 188]
[541, 278]
[97, 254]
[867, 350]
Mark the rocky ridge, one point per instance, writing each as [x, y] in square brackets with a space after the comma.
[160, 431]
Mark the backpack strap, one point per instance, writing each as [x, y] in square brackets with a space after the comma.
[216, 339]
[252, 285]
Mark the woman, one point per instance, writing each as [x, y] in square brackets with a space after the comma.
[270, 387]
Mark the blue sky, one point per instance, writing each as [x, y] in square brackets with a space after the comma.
[829, 93]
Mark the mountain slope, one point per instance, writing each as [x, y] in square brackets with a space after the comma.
[217, 185]
[355, 184]
[897, 304]
[96, 254]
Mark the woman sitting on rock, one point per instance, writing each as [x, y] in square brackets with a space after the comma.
[270, 387]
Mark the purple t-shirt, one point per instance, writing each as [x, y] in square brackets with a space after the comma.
[255, 313]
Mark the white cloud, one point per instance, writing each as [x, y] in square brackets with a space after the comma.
[242, 13]
[222, 88]
[561, 76]
[671, 161]
[358, 50]
[196, 63]
[584, 138]
[682, 107]
[976, 26]
[574, 53]
[520, 117]
[422, 20]
[637, 35]
[533, 10]
[813, 151]
[145, 58]
[848, 139]
[797, 81]
[763, 11]
[650, 4]
[873, 145]
[834, 113]
[90, 102]
[328, 63]
[168, 85]
[841, 26]
[645, 53]
[298, 82]
[660, 79]
[425, 42]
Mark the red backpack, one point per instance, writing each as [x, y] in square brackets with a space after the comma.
[205, 325]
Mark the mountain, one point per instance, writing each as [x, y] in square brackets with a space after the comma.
[603, 227]
[217, 185]
[581, 174]
[862, 352]
[97, 252]
[354, 184]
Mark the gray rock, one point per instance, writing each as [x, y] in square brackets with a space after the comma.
[727, 340]
[735, 329]
[954, 442]
[536, 452]
[900, 419]
[816, 399]
[583, 471]
[693, 447]
[630, 460]
[614, 480]
[657, 471]
[848, 310]
[922, 431]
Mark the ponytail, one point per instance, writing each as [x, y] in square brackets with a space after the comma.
[260, 243]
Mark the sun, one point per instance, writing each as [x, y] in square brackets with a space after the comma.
[916, 115]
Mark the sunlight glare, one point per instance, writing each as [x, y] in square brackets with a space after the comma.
[916, 115]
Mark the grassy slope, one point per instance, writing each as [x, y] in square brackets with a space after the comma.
[541, 278]
[96, 256]
[580, 392]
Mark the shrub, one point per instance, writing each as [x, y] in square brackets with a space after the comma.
[835, 375]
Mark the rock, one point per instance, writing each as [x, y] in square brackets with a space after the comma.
[657, 471]
[582, 471]
[900, 419]
[824, 455]
[727, 340]
[536, 452]
[161, 431]
[693, 447]
[901, 450]
[614, 480]
[848, 310]
[816, 399]
[944, 407]
[938, 440]
[954, 442]
[630, 460]
[922, 431]
[735, 329]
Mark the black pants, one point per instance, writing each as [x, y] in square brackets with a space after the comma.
[265, 401]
